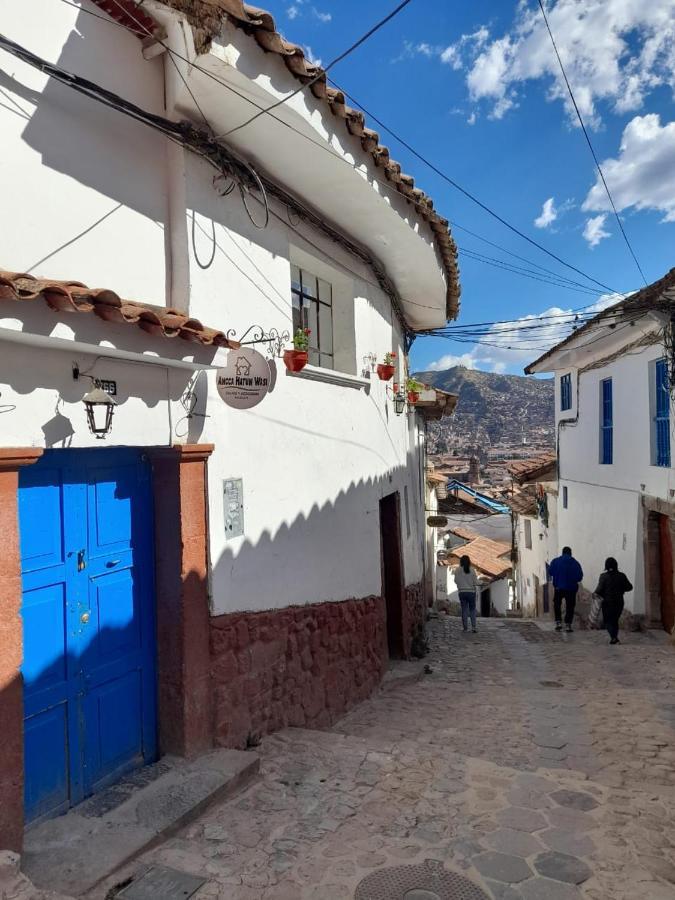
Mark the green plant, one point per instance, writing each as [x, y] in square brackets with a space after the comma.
[301, 339]
[413, 386]
[389, 359]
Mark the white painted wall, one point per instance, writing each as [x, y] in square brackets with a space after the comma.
[446, 590]
[604, 514]
[316, 456]
[84, 188]
[532, 561]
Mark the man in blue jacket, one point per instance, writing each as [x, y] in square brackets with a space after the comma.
[566, 574]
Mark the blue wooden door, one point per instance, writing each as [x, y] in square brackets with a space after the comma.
[88, 621]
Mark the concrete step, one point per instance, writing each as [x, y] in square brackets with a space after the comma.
[74, 852]
[402, 673]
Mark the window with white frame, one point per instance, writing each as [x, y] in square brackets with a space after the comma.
[312, 299]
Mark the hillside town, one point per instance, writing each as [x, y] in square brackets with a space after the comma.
[338, 551]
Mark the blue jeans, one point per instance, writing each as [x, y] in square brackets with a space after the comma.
[467, 600]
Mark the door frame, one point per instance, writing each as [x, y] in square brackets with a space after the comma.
[179, 484]
[78, 472]
[394, 627]
[652, 508]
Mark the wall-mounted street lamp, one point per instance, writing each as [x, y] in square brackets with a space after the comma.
[100, 408]
[400, 401]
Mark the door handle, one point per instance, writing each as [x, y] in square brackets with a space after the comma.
[84, 618]
[81, 561]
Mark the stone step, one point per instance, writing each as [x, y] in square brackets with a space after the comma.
[74, 852]
[402, 673]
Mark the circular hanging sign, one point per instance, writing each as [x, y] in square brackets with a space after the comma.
[245, 380]
[437, 521]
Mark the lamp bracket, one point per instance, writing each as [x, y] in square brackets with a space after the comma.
[275, 339]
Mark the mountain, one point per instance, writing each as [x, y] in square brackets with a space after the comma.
[496, 410]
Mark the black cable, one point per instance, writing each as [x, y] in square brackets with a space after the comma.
[324, 147]
[516, 271]
[471, 196]
[148, 33]
[588, 141]
[530, 262]
[322, 70]
[342, 159]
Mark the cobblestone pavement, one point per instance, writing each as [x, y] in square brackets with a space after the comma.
[540, 766]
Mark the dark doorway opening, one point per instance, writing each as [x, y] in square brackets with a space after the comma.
[666, 574]
[485, 603]
[392, 572]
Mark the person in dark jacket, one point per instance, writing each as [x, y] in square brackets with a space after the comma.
[611, 588]
[566, 574]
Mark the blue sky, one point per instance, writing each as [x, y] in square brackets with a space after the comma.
[475, 88]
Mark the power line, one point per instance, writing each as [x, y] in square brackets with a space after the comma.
[588, 141]
[471, 196]
[530, 262]
[322, 70]
[342, 159]
[518, 270]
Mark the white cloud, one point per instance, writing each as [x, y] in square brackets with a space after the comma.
[309, 53]
[293, 11]
[513, 346]
[472, 119]
[468, 360]
[613, 50]
[594, 230]
[548, 214]
[643, 174]
[322, 16]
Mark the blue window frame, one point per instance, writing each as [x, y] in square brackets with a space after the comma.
[606, 423]
[662, 418]
[566, 392]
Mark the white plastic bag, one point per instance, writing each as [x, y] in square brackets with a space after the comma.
[596, 611]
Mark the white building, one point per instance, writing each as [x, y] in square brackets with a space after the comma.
[217, 571]
[614, 427]
[533, 501]
[492, 563]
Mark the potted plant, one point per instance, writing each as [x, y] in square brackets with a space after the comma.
[296, 359]
[385, 369]
[413, 388]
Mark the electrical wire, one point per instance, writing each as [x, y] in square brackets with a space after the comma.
[175, 64]
[335, 155]
[588, 141]
[323, 69]
[498, 264]
[469, 195]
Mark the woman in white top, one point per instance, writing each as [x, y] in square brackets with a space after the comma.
[467, 585]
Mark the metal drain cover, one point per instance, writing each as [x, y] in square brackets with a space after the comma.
[162, 883]
[429, 881]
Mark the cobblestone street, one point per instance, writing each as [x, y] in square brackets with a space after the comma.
[539, 766]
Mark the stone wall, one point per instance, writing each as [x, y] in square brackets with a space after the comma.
[414, 618]
[302, 666]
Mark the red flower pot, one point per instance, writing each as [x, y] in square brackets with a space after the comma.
[295, 360]
[386, 373]
[413, 397]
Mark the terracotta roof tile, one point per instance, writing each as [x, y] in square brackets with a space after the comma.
[486, 555]
[206, 18]
[466, 533]
[75, 297]
[524, 501]
[524, 470]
